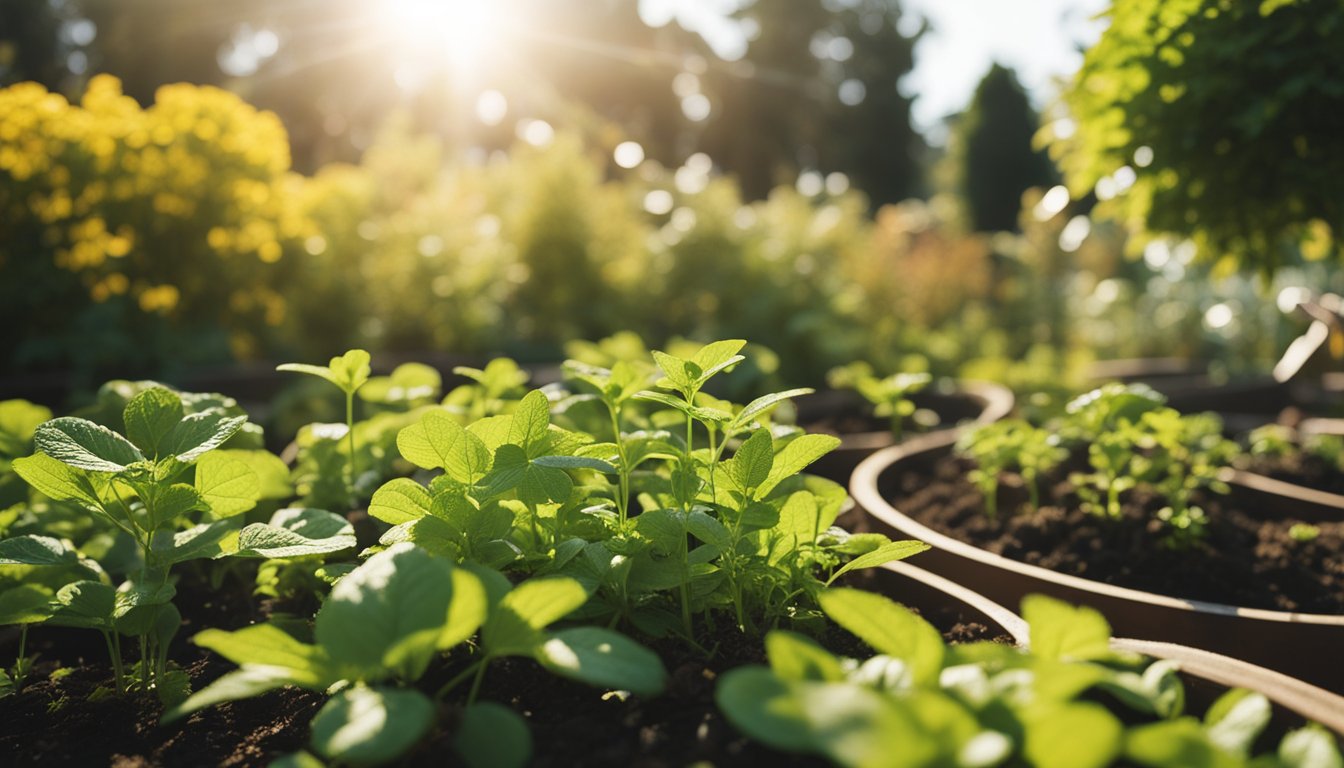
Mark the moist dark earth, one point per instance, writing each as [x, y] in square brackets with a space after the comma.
[58, 722]
[1244, 560]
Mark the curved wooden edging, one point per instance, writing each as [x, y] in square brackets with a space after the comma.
[1302, 645]
[1288, 693]
[1309, 701]
[996, 402]
[1009, 622]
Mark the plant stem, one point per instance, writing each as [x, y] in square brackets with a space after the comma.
[350, 437]
[457, 679]
[20, 665]
[476, 682]
[623, 500]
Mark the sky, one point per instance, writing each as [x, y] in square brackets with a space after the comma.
[1037, 38]
[1040, 39]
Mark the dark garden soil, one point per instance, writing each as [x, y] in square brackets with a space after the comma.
[845, 413]
[1301, 469]
[1243, 560]
[70, 719]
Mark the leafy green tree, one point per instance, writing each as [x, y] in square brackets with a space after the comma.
[818, 90]
[992, 158]
[1228, 116]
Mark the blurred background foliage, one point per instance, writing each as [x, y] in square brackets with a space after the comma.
[254, 182]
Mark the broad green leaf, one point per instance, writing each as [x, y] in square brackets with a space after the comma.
[717, 355]
[493, 431]
[796, 657]
[150, 416]
[370, 726]
[320, 371]
[243, 683]
[200, 432]
[437, 441]
[36, 550]
[1076, 735]
[1237, 719]
[267, 645]
[272, 473]
[678, 371]
[514, 627]
[172, 502]
[54, 479]
[298, 759]
[796, 456]
[19, 419]
[762, 404]
[603, 658]
[351, 370]
[889, 628]
[1061, 631]
[408, 383]
[84, 445]
[750, 466]
[25, 604]
[85, 604]
[765, 708]
[530, 423]
[391, 609]
[197, 542]
[800, 517]
[226, 484]
[296, 532]
[535, 484]
[887, 553]
[575, 462]
[1180, 743]
[399, 501]
[467, 612]
[491, 735]
[1310, 747]
[708, 529]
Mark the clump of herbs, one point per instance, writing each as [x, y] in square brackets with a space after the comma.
[1130, 440]
[889, 396]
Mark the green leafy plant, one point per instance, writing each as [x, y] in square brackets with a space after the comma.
[131, 483]
[349, 373]
[1004, 445]
[383, 626]
[1069, 701]
[135, 484]
[492, 391]
[1131, 440]
[890, 396]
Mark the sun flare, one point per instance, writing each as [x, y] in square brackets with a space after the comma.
[458, 33]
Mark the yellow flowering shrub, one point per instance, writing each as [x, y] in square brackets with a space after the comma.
[175, 213]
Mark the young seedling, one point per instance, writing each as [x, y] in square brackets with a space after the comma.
[136, 484]
[994, 448]
[494, 389]
[921, 702]
[890, 396]
[348, 372]
[385, 623]
[132, 485]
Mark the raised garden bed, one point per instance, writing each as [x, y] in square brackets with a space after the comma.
[919, 490]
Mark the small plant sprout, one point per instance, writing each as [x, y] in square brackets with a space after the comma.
[890, 396]
[1272, 440]
[1304, 532]
[920, 702]
[1009, 444]
[383, 625]
[131, 482]
[348, 372]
